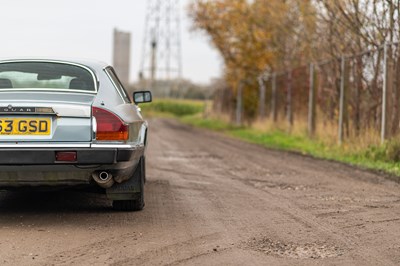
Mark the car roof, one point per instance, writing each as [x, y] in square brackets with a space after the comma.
[93, 64]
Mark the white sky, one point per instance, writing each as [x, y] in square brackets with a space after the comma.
[84, 29]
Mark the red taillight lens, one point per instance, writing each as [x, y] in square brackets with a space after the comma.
[109, 126]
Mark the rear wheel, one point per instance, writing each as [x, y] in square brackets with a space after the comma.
[138, 203]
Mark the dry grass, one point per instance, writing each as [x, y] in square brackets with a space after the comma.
[326, 133]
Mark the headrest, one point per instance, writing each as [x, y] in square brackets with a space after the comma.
[5, 84]
[78, 84]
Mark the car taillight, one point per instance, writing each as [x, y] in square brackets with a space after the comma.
[109, 126]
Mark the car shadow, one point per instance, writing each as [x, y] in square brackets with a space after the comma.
[53, 202]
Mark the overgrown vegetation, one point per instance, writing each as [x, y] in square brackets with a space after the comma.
[174, 107]
[275, 35]
[333, 63]
[375, 157]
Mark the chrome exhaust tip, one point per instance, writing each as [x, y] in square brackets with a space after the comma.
[103, 179]
[104, 176]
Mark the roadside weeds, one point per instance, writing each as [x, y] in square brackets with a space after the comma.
[384, 159]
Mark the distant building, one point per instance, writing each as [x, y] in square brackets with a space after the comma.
[122, 55]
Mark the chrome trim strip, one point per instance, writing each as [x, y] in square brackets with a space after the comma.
[42, 145]
[114, 146]
[58, 145]
[94, 127]
[111, 146]
[47, 89]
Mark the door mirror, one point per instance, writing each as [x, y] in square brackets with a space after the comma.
[142, 97]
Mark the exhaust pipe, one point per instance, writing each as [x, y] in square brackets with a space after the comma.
[104, 176]
[103, 179]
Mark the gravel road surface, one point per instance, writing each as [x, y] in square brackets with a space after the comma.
[212, 200]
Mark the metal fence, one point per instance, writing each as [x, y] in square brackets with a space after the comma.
[350, 95]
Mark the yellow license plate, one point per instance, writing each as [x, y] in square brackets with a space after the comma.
[25, 126]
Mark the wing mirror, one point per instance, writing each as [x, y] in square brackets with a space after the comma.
[142, 97]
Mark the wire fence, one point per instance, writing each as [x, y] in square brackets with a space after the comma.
[350, 95]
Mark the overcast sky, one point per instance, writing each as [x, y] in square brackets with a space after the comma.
[84, 29]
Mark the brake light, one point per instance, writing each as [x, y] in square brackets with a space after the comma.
[109, 126]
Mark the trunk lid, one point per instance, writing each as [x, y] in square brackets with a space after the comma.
[35, 116]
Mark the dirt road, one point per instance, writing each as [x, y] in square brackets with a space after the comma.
[213, 201]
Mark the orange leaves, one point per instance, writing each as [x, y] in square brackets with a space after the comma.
[233, 33]
[251, 35]
[255, 35]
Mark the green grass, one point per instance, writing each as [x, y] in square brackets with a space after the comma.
[381, 158]
[173, 107]
[385, 158]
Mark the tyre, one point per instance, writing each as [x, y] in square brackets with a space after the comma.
[138, 203]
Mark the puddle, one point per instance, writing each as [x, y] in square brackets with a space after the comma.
[293, 250]
[261, 184]
[346, 199]
[179, 156]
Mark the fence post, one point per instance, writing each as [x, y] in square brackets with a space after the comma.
[311, 103]
[274, 97]
[239, 104]
[341, 104]
[384, 94]
[262, 96]
[289, 100]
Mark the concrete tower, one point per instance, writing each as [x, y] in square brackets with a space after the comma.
[122, 55]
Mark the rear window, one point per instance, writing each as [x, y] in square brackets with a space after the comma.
[45, 76]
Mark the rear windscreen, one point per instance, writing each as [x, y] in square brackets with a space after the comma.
[45, 75]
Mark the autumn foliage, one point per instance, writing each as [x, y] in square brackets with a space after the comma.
[254, 36]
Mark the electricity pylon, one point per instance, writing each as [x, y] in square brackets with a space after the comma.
[161, 58]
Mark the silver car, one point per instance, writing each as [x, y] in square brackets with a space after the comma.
[71, 124]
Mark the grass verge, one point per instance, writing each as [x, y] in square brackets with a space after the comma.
[172, 108]
[384, 158]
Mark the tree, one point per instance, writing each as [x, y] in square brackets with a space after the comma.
[253, 36]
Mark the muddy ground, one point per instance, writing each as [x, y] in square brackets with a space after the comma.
[212, 200]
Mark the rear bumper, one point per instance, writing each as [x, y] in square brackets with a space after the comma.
[85, 156]
[39, 167]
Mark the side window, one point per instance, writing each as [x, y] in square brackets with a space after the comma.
[118, 85]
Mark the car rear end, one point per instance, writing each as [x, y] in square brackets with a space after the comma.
[58, 128]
